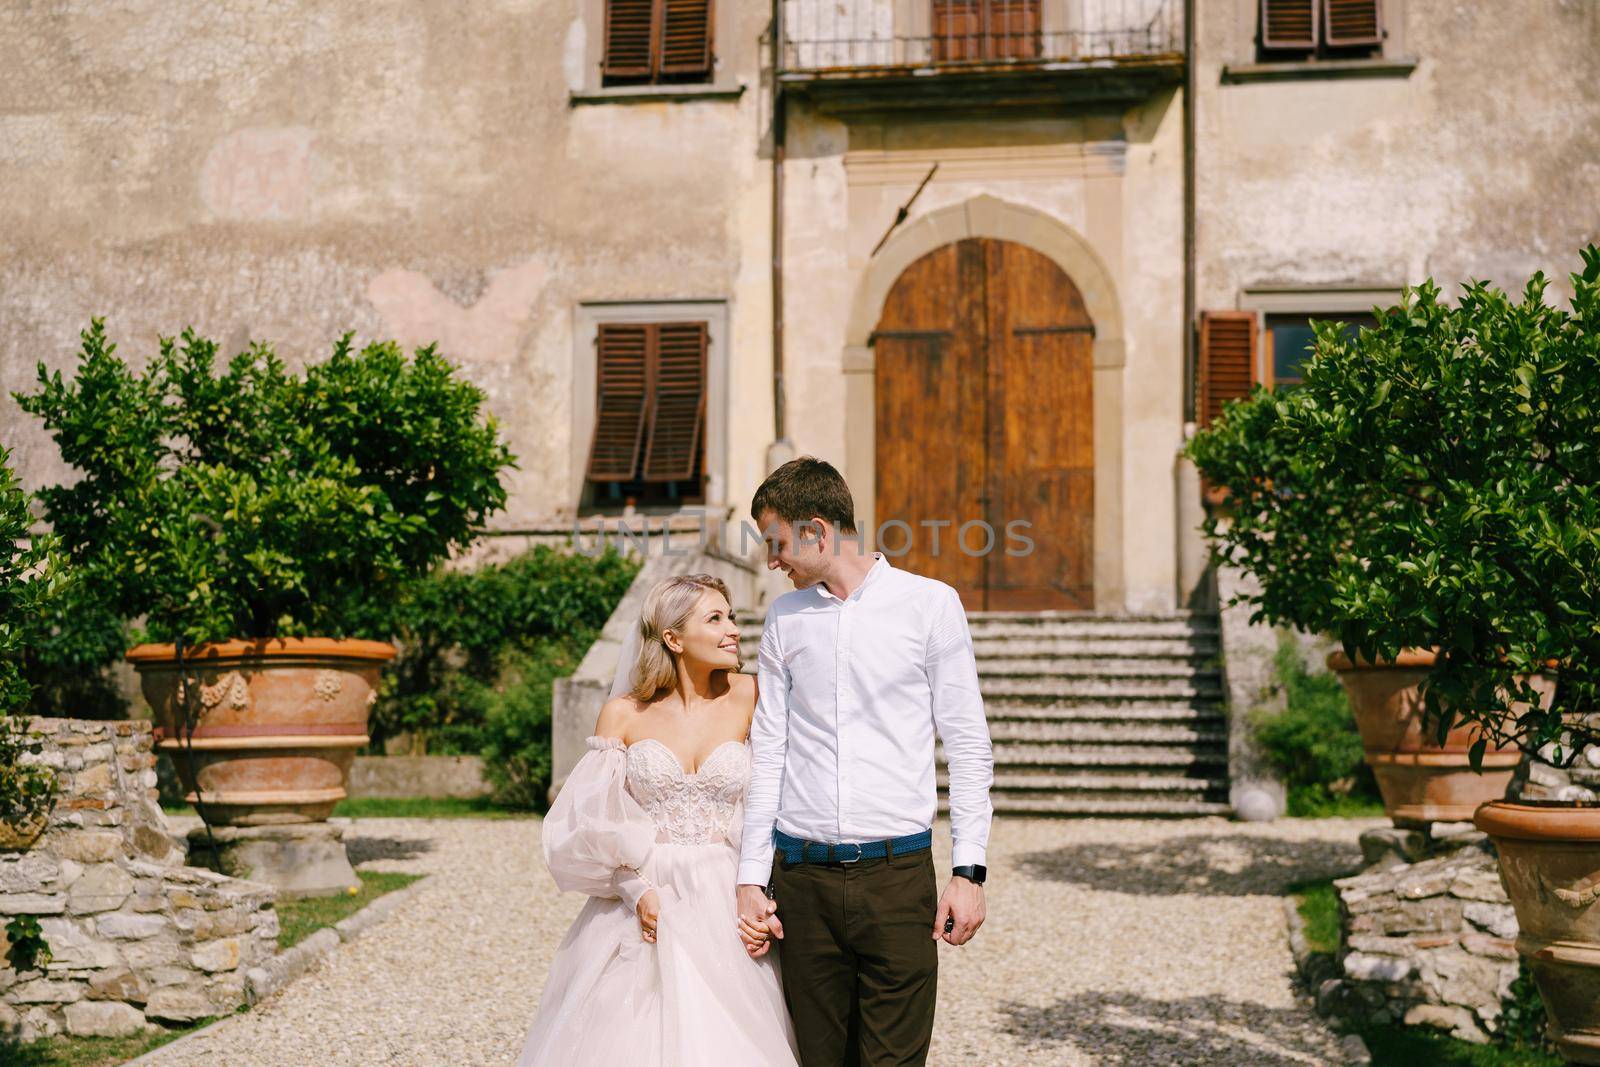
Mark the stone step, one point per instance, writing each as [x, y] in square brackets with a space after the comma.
[1018, 755]
[1131, 783]
[1114, 733]
[1194, 712]
[1095, 668]
[1185, 650]
[1105, 628]
[1105, 808]
[1098, 690]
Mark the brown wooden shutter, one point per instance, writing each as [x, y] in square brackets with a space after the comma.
[677, 412]
[1227, 359]
[623, 352]
[1289, 23]
[957, 29]
[1353, 22]
[630, 29]
[686, 37]
[1014, 29]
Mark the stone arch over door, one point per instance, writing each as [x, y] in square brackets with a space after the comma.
[989, 217]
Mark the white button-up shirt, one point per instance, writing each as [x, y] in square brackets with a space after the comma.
[851, 692]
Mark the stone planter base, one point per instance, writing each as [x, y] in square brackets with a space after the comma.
[298, 859]
[1429, 936]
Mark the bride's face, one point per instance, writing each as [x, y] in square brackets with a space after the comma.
[710, 636]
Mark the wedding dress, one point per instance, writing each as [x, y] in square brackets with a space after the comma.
[629, 819]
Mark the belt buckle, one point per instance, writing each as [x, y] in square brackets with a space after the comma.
[853, 859]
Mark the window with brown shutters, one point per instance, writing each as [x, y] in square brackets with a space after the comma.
[1335, 28]
[657, 42]
[1289, 23]
[1352, 22]
[985, 29]
[1227, 368]
[650, 410]
[623, 353]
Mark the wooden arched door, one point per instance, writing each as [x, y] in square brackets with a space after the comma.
[985, 411]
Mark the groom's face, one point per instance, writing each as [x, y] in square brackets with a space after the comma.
[794, 549]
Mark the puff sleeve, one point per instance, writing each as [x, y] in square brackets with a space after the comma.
[597, 839]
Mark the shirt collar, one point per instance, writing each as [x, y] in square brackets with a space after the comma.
[879, 566]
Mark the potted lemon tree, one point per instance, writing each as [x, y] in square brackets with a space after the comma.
[241, 513]
[1450, 460]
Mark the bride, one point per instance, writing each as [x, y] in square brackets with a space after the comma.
[653, 972]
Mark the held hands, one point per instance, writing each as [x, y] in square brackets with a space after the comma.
[758, 920]
[649, 911]
[962, 903]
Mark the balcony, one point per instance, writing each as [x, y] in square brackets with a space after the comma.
[874, 55]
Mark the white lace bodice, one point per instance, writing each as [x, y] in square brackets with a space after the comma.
[690, 809]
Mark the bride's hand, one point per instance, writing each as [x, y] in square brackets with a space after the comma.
[649, 910]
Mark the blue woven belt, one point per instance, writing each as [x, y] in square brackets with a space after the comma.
[796, 850]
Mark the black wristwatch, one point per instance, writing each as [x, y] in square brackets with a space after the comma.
[972, 872]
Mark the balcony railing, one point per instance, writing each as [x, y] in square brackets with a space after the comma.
[840, 37]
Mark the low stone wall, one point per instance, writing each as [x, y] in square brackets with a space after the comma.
[1427, 943]
[418, 776]
[136, 936]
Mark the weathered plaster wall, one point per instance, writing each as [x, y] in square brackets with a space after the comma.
[291, 170]
[1484, 162]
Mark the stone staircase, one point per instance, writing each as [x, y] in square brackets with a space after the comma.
[1112, 715]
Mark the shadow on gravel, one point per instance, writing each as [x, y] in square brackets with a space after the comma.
[1207, 864]
[362, 849]
[1129, 1030]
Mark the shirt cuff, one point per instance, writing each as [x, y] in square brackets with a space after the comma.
[964, 854]
[754, 872]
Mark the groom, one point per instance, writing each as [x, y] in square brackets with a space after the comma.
[859, 666]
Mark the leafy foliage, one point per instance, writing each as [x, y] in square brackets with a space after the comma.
[1524, 1023]
[68, 662]
[1313, 742]
[28, 950]
[242, 500]
[32, 579]
[464, 635]
[1435, 482]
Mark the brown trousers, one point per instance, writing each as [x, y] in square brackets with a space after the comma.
[860, 966]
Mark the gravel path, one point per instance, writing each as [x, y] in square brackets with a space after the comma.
[1116, 943]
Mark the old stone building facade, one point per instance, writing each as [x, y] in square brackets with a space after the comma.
[565, 193]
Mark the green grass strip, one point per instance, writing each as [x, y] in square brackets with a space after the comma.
[89, 1051]
[299, 919]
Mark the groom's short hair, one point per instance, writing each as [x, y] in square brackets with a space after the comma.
[803, 488]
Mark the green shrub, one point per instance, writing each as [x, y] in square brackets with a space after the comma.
[463, 633]
[246, 501]
[1313, 743]
[32, 581]
[516, 723]
[1523, 1021]
[1435, 482]
[68, 664]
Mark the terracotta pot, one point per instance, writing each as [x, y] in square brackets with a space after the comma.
[278, 722]
[1550, 866]
[1421, 782]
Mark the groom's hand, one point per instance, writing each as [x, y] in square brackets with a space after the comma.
[758, 920]
[964, 904]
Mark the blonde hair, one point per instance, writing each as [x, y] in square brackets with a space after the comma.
[667, 607]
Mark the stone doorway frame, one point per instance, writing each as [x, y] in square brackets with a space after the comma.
[987, 216]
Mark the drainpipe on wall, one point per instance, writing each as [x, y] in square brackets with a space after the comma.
[780, 451]
[1195, 589]
[1189, 81]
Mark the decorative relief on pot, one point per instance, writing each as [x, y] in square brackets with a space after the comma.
[327, 685]
[230, 687]
[1579, 896]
